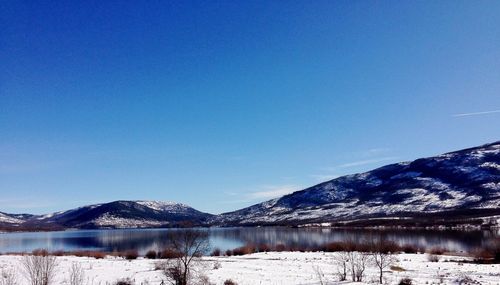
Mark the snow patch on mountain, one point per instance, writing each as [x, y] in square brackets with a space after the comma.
[466, 179]
[164, 206]
[4, 218]
[491, 165]
[109, 220]
[492, 186]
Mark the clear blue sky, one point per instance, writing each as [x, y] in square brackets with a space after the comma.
[225, 104]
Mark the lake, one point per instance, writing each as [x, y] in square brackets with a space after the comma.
[230, 238]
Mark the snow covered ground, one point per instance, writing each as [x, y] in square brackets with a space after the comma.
[269, 268]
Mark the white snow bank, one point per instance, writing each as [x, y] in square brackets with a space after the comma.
[269, 268]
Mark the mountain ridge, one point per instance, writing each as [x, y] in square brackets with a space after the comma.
[465, 182]
[462, 179]
[115, 214]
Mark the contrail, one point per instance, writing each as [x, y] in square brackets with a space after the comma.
[476, 113]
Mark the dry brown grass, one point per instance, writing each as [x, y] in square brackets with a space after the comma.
[88, 253]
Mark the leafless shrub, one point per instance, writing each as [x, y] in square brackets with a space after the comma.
[87, 253]
[191, 244]
[439, 277]
[263, 247]
[159, 265]
[151, 254]
[299, 248]
[495, 249]
[247, 249]
[172, 269]
[216, 252]
[58, 253]
[39, 268]
[433, 258]
[169, 253]
[356, 262]
[437, 251]
[353, 262]
[341, 260]
[464, 279]
[125, 281]
[359, 261]
[280, 247]
[131, 254]
[8, 277]
[319, 274]
[76, 274]
[203, 280]
[217, 265]
[230, 282]
[407, 248]
[489, 253]
[229, 252]
[40, 252]
[382, 256]
[482, 255]
[97, 255]
[405, 281]
[385, 246]
[334, 247]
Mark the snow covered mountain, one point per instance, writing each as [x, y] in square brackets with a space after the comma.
[118, 214]
[464, 183]
[456, 187]
[11, 219]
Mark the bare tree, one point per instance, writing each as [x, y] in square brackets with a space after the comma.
[8, 277]
[76, 274]
[189, 245]
[319, 274]
[39, 268]
[357, 262]
[341, 260]
[360, 261]
[352, 269]
[382, 256]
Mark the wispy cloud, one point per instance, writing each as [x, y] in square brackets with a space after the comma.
[375, 151]
[365, 157]
[476, 113]
[273, 191]
[366, 162]
[264, 192]
[323, 177]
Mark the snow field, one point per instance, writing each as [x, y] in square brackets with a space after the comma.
[279, 268]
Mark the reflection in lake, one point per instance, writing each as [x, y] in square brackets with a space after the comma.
[229, 238]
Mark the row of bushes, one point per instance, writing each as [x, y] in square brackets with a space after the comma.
[488, 253]
[128, 254]
[386, 246]
[164, 254]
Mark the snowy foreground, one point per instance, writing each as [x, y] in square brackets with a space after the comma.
[270, 268]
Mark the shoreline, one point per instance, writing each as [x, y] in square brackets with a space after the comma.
[437, 227]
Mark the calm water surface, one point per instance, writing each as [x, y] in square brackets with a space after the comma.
[229, 238]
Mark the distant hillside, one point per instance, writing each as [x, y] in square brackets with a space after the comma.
[464, 183]
[118, 214]
[452, 188]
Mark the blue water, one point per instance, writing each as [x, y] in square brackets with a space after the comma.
[230, 238]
